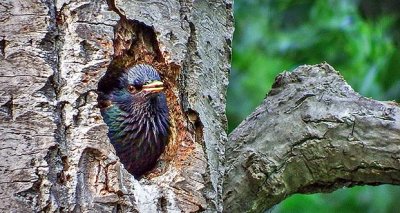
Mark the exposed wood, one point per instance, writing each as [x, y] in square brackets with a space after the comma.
[55, 154]
[311, 134]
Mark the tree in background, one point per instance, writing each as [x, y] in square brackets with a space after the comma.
[363, 44]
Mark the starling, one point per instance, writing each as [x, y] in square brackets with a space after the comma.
[137, 117]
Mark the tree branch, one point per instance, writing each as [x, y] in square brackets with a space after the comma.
[311, 134]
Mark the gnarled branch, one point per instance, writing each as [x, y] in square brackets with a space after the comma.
[312, 133]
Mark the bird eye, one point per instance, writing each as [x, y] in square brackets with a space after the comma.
[134, 88]
[131, 88]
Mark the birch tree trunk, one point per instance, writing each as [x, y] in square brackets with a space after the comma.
[312, 133]
[55, 154]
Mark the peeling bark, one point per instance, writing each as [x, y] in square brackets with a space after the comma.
[54, 149]
[311, 134]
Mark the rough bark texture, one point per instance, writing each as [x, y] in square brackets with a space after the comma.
[312, 133]
[55, 155]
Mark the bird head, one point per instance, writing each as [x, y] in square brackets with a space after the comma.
[138, 87]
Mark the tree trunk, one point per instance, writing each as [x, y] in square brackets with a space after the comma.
[54, 147]
[311, 134]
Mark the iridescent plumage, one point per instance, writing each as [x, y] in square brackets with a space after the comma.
[137, 118]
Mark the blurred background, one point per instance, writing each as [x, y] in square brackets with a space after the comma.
[359, 38]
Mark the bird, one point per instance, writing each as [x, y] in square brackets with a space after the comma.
[135, 110]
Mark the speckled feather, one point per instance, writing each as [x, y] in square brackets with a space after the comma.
[138, 125]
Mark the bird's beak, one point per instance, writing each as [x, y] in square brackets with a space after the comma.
[153, 87]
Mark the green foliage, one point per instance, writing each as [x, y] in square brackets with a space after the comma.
[272, 36]
[357, 37]
[353, 200]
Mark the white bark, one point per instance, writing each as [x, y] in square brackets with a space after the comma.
[54, 149]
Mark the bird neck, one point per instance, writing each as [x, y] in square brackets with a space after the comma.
[143, 106]
[153, 110]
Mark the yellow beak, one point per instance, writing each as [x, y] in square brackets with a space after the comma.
[153, 87]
